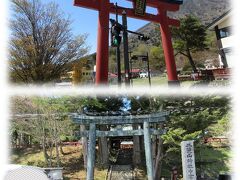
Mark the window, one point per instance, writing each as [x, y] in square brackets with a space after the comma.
[225, 32]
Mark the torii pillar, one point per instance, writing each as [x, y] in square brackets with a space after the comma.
[105, 8]
[168, 48]
[102, 43]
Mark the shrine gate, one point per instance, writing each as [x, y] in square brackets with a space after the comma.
[104, 7]
[147, 132]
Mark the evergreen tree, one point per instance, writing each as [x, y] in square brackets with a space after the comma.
[189, 37]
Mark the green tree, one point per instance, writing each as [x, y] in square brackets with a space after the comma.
[191, 119]
[157, 58]
[41, 43]
[189, 37]
[141, 49]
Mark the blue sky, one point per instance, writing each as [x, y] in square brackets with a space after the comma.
[85, 20]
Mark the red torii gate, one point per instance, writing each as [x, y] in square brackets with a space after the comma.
[104, 7]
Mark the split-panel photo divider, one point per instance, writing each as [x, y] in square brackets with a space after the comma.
[77, 74]
[137, 137]
[109, 43]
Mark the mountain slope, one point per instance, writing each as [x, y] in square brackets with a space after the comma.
[205, 10]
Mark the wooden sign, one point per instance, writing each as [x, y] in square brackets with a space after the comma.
[140, 7]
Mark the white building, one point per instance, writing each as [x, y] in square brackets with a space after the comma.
[223, 29]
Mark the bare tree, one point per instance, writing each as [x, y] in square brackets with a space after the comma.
[43, 120]
[42, 44]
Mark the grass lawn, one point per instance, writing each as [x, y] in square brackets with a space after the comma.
[213, 161]
[163, 81]
[158, 81]
[155, 81]
[72, 162]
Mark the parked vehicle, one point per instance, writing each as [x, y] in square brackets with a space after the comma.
[143, 74]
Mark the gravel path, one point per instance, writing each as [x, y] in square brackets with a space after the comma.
[123, 169]
[121, 172]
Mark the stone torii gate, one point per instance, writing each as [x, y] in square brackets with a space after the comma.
[92, 133]
[104, 7]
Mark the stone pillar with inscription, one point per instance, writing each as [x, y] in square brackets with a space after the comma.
[188, 160]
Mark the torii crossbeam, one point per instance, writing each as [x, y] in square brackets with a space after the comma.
[105, 7]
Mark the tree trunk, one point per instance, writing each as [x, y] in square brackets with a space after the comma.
[51, 154]
[191, 61]
[84, 146]
[154, 145]
[158, 162]
[136, 148]
[103, 147]
[21, 140]
[46, 156]
[18, 142]
[61, 149]
[57, 154]
[30, 141]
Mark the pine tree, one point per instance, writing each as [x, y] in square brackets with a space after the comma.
[189, 37]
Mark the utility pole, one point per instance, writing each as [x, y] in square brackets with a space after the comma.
[131, 68]
[116, 29]
[125, 47]
[149, 74]
[118, 54]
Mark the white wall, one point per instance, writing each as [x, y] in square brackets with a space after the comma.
[227, 41]
[225, 23]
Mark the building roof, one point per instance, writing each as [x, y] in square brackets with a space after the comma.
[135, 70]
[220, 19]
[111, 75]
